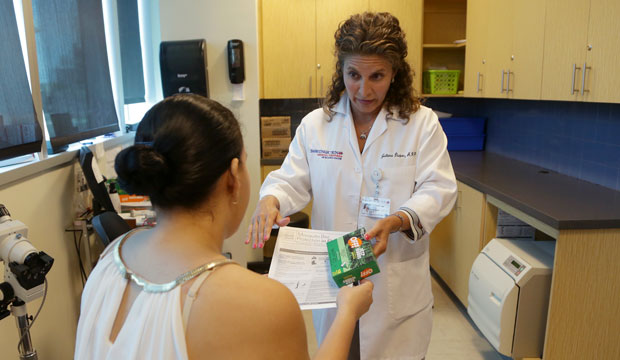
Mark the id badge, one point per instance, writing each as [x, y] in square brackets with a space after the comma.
[375, 207]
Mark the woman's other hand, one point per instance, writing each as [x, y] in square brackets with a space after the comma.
[381, 232]
[266, 214]
[355, 301]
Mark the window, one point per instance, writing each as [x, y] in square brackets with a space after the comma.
[148, 13]
[20, 133]
[131, 51]
[73, 70]
[79, 78]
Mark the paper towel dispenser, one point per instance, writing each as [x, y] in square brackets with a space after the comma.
[183, 67]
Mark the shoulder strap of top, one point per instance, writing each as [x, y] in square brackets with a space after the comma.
[191, 296]
[193, 292]
[114, 244]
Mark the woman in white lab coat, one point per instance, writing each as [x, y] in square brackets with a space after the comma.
[372, 157]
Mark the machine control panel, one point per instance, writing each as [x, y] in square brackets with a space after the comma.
[514, 265]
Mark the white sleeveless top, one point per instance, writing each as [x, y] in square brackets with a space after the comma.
[154, 327]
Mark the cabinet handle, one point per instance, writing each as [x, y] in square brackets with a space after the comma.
[321, 93]
[478, 89]
[572, 88]
[310, 87]
[502, 90]
[583, 78]
[508, 89]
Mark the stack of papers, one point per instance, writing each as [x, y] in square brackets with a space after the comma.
[301, 262]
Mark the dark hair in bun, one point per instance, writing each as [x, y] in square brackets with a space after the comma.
[182, 146]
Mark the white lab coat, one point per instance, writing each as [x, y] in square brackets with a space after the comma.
[324, 164]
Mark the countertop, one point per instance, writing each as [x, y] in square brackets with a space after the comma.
[560, 201]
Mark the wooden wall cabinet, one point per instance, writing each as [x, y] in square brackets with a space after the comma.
[329, 15]
[297, 41]
[581, 49]
[475, 54]
[444, 24]
[506, 48]
[297, 45]
[288, 54]
[410, 16]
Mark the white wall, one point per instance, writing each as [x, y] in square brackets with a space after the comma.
[217, 22]
[44, 203]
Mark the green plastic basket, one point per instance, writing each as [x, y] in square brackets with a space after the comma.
[443, 82]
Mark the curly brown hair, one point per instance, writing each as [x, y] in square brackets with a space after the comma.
[375, 34]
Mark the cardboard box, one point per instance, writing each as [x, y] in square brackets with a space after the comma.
[275, 148]
[275, 126]
[351, 258]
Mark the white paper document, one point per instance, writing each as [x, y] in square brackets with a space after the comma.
[300, 261]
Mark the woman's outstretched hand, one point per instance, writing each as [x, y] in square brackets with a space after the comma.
[266, 214]
[355, 300]
[381, 232]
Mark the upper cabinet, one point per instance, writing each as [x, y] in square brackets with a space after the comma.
[297, 41]
[581, 49]
[521, 49]
[409, 14]
[288, 53]
[505, 48]
[603, 80]
[444, 36]
[475, 55]
[329, 15]
[527, 49]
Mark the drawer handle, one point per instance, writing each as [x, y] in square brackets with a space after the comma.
[583, 78]
[572, 89]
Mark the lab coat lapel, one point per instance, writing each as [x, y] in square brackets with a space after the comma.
[348, 120]
[378, 128]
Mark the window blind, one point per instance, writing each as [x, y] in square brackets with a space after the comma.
[73, 70]
[131, 51]
[20, 133]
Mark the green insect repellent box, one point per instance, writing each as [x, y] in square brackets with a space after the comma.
[351, 258]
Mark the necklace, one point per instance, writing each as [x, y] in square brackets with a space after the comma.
[364, 134]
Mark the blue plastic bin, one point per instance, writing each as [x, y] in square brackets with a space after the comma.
[463, 125]
[464, 133]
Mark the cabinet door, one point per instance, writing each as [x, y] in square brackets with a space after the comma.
[526, 68]
[409, 14]
[566, 31]
[456, 241]
[603, 79]
[329, 15]
[288, 49]
[499, 45]
[475, 53]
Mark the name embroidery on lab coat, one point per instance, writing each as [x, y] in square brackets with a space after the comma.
[397, 155]
[327, 154]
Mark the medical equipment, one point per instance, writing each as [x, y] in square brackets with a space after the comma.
[24, 275]
[509, 286]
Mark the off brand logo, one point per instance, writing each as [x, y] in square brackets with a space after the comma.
[366, 272]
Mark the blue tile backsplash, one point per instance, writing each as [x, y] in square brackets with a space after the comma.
[577, 139]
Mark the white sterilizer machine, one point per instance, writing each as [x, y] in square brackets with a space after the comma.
[508, 299]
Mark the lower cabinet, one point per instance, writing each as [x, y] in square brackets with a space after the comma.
[457, 240]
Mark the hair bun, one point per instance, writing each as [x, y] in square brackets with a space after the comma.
[141, 170]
